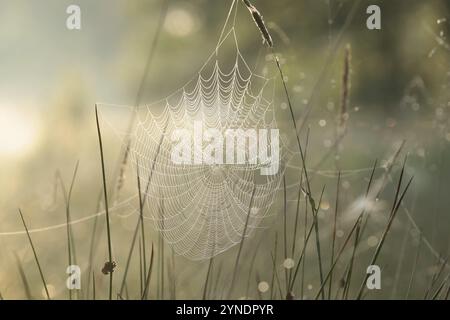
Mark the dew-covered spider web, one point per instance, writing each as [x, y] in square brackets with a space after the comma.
[203, 209]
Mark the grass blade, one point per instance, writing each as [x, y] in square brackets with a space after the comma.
[241, 245]
[141, 215]
[35, 256]
[397, 201]
[149, 274]
[316, 232]
[69, 234]
[333, 241]
[105, 194]
[413, 273]
[285, 231]
[93, 285]
[23, 277]
[205, 287]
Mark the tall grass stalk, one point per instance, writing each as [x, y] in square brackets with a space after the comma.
[93, 286]
[130, 254]
[208, 274]
[435, 278]
[161, 254]
[447, 293]
[296, 222]
[349, 274]
[120, 167]
[215, 287]
[23, 277]
[252, 265]
[141, 204]
[396, 205]
[148, 277]
[105, 194]
[340, 252]
[333, 239]
[285, 230]
[268, 40]
[41, 274]
[328, 63]
[172, 275]
[413, 273]
[401, 259]
[358, 233]
[241, 244]
[305, 243]
[316, 232]
[355, 226]
[301, 257]
[274, 268]
[67, 199]
[141, 215]
[141, 269]
[277, 278]
[440, 288]
[297, 215]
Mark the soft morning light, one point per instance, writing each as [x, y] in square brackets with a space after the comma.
[18, 132]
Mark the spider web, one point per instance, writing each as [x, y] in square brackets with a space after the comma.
[203, 210]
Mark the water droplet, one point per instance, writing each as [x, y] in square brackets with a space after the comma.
[327, 143]
[263, 286]
[372, 241]
[298, 89]
[289, 263]
[325, 205]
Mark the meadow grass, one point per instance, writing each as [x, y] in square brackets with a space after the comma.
[217, 282]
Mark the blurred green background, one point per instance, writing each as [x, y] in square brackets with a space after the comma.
[51, 79]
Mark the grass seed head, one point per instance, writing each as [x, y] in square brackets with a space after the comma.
[258, 18]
